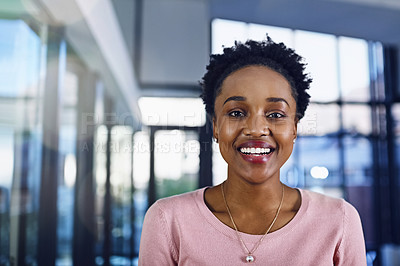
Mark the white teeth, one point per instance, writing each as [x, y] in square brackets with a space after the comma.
[255, 150]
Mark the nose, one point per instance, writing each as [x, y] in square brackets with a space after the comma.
[256, 126]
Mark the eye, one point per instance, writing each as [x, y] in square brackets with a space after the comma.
[275, 115]
[236, 113]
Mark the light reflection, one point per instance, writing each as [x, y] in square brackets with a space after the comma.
[101, 157]
[354, 72]
[277, 34]
[70, 170]
[172, 111]
[18, 57]
[225, 33]
[6, 157]
[321, 59]
[319, 172]
[141, 159]
[168, 154]
[176, 161]
[121, 161]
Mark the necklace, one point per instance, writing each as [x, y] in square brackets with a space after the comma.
[250, 257]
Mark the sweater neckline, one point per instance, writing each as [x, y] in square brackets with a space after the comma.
[229, 232]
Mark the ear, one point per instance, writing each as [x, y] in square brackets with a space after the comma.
[215, 130]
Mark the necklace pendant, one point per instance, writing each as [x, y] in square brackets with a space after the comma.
[249, 258]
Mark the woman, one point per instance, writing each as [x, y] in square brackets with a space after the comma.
[255, 94]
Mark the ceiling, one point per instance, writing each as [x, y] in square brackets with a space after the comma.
[368, 19]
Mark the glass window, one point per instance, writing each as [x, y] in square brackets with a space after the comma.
[377, 70]
[396, 129]
[100, 174]
[121, 190]
[141, 158]
[379, 119]
[278, 34]
[358, 161]
[396, 119]
[6, 156]
[320, 119]
[6, 175]
[320, 161]
[141, 176]
[320, 53]
[354, 69]
[172, 111]
[20, 59]
[67, 153]
[100, 159]
[290, 172]
[176, 160]
[20, 140]
[225, 33]
[359, 180]
[357, 119]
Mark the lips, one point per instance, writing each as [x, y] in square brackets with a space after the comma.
[255, 151]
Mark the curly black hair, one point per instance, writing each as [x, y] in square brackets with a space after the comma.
[267, 53]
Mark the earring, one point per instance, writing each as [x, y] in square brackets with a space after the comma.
[294, 141]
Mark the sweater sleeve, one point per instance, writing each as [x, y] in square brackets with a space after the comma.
[351, 250]
[156, 244]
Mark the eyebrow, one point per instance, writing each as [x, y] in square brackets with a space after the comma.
[270, 99]
[277, 99]
[235, 98]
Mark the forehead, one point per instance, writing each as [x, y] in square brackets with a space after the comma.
[259, 80]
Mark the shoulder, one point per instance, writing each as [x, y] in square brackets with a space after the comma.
[321, 199]
[181, 200]
[163, 225]
[330, 206]
[340, 222]
[176, 206]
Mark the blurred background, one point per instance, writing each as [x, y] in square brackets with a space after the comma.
[100, 116]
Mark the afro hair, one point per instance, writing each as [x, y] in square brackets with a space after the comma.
[275, 56]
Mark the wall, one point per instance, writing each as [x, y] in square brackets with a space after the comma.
[174, 42]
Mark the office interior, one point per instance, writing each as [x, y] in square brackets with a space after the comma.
[100, 116]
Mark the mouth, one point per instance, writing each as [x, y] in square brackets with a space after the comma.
[256, 151]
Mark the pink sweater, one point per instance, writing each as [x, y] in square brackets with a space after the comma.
[181, 230]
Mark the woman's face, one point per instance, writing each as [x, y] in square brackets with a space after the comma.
[255, 123]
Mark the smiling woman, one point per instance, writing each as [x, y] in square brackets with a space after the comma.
[263, 116]
[255, 94]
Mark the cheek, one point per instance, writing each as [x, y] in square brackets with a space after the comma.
[285, 144]
[284, 136]
[228, 132]
[284, 130]
[229, 129]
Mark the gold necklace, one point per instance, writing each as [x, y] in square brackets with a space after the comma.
[250, 257]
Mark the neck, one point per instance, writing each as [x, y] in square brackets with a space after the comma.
[263, 197]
